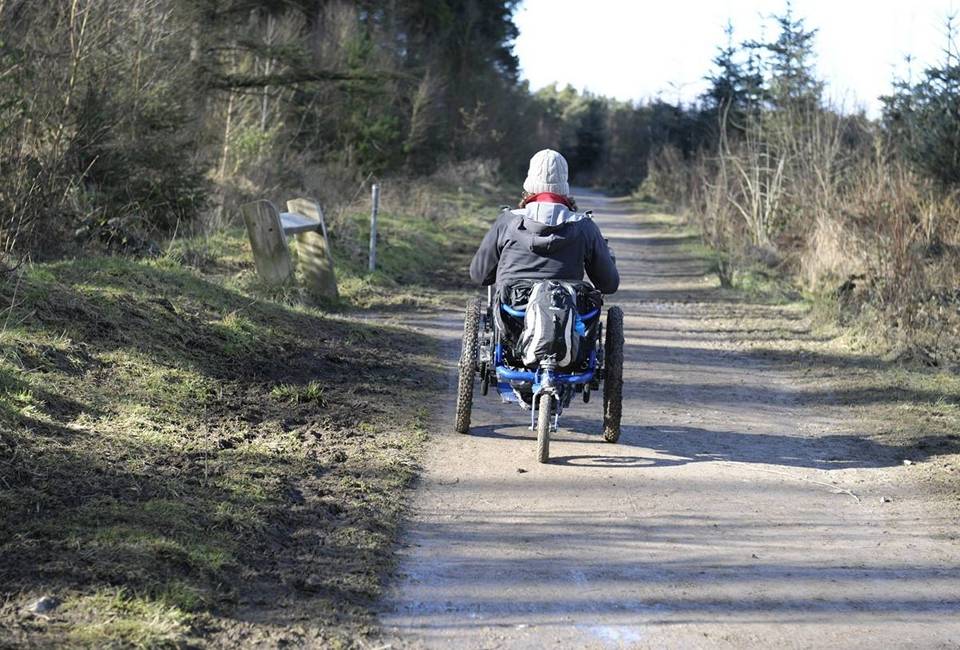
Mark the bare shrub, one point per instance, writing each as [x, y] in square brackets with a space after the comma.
[671, 179]
[752, 173]
[833, 254]
[94, 142]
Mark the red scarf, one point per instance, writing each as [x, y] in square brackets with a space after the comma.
[548, 197]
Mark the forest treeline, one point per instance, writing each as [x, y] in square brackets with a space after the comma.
[123, 123]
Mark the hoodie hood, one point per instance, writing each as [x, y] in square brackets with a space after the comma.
[544, 242]
[550, 214]
[544, 225]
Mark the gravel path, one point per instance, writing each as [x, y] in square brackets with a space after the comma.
[740, 508]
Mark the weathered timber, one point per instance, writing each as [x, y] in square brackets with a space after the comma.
[313, 247]
[270, 253]
[294, 222]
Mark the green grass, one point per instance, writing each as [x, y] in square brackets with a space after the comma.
[310, 393]
[418, 256]
[415, 254]
[750, 280]
[178, 443]
[760, 284]
[115, 617]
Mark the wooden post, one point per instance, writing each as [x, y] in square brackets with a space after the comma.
[313, 247]
[270, 252]
[375, 196]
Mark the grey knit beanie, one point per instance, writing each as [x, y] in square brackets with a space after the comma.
[548, 173]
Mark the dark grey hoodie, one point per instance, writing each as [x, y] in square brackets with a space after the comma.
[545, 241]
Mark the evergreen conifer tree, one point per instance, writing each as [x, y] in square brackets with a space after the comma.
[793, 83]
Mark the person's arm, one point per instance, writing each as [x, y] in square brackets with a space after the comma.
[600, 266]
[483, 268]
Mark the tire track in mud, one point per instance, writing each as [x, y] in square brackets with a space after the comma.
[722, 518]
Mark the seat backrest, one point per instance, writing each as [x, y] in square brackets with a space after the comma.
[270, 253]
[313, 248]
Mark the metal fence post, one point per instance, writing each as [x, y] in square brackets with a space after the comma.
[375, 196]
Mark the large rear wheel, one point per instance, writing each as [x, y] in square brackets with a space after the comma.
[544, 420]
[467, 368]
[613, 377]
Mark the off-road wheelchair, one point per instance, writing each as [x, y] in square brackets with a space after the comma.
[539, 343]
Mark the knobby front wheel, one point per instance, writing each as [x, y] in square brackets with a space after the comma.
[544, 418]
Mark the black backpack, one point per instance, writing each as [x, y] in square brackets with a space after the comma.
[549, 326]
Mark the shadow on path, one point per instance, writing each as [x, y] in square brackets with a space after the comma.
[670, 445]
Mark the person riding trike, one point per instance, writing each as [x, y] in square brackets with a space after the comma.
[540, 338]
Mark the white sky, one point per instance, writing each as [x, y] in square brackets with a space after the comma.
[640, 50]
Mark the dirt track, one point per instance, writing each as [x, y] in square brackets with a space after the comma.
[742, 506]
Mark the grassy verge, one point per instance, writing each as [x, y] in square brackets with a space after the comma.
[420, 255]
[186, 458]
[906, 405]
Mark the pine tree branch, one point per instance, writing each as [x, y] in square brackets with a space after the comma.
[291, 78]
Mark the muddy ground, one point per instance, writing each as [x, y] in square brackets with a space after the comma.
[185, 464]
[771, 487]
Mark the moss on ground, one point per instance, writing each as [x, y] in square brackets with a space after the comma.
[188, 458]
